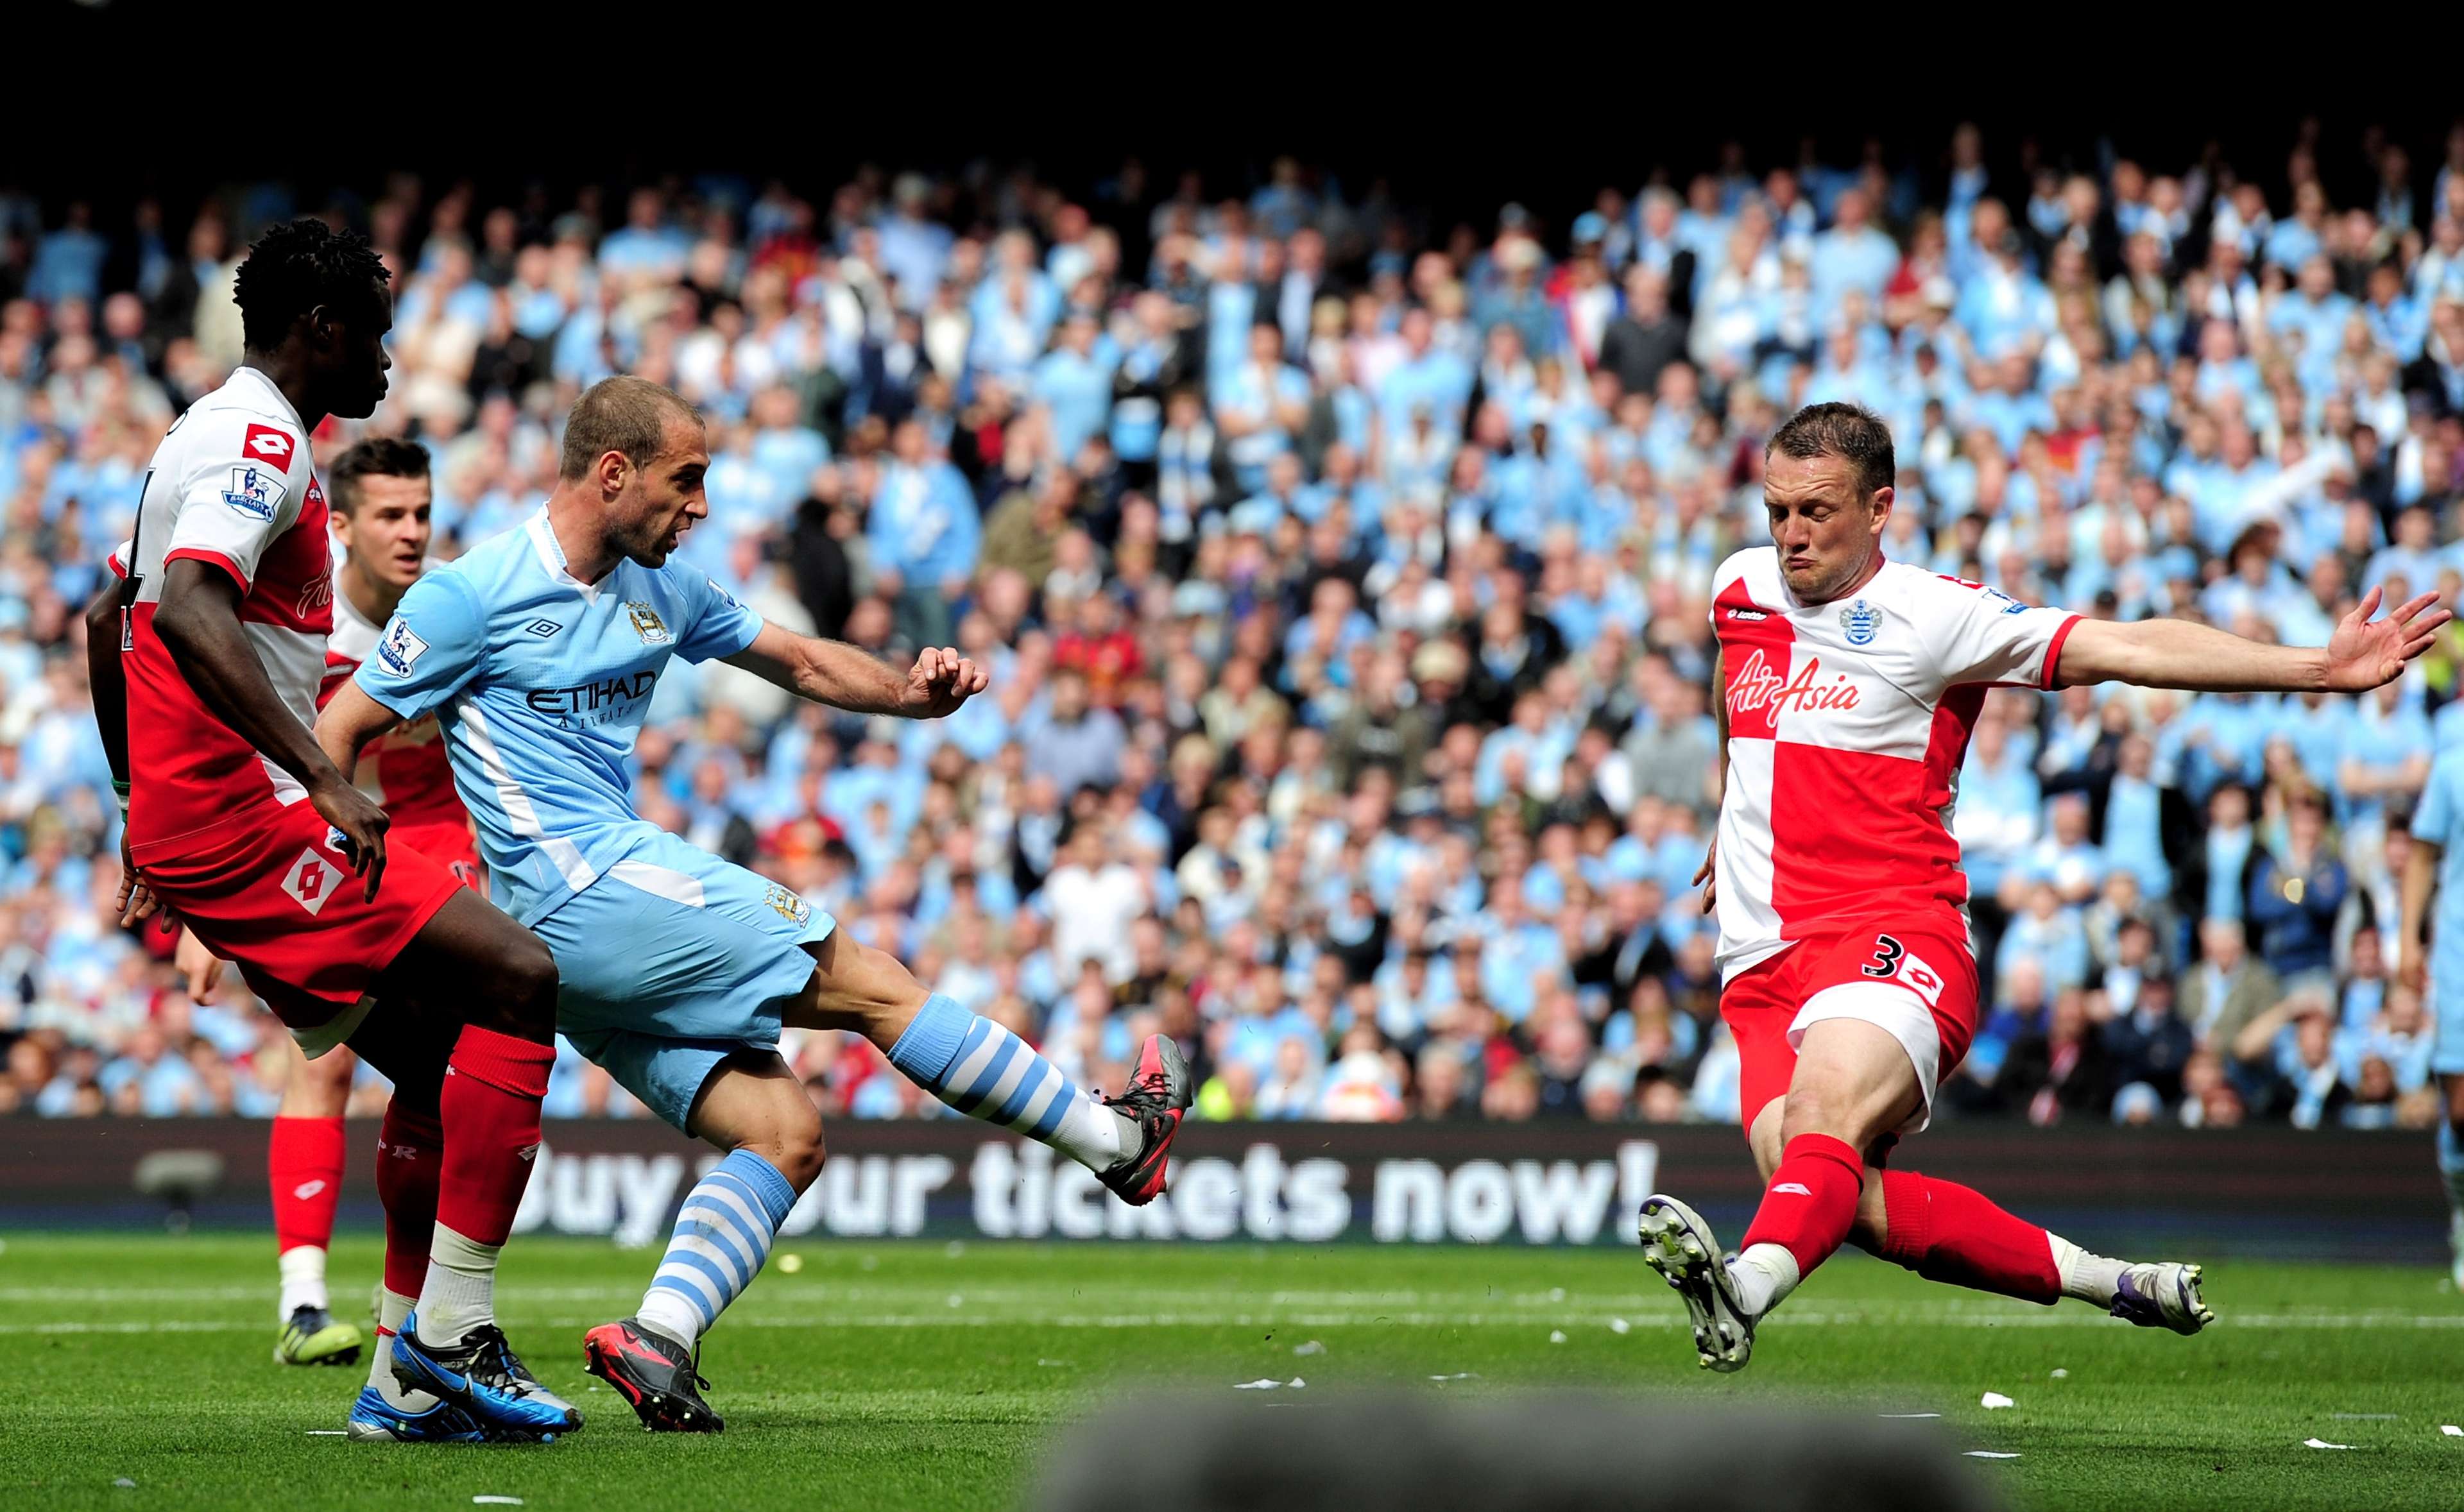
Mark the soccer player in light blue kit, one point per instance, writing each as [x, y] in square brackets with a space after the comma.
[2435, 966]
[537, 652]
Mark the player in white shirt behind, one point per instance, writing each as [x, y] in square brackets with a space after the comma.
[1848, 978]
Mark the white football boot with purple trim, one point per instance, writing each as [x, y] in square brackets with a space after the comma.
[2164, 1294]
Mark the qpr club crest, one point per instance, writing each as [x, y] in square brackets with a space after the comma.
[1861, 619]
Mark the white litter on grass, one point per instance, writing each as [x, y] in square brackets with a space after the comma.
[2060, 1374]
[2320, 1444]
[2451, 1430]
[1990, 1454]
[497, 1502]
[1459, 1375]
[1556, 1336]
[1260, 1385]
[325, 1433]
[1995, 1400]
[1053, 1365]
[1310, 1347]
[1907, 1414]
[1296, 1382]
[1620, 1326]
[125, 1483]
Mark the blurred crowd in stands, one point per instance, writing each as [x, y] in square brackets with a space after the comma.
[1342, 577]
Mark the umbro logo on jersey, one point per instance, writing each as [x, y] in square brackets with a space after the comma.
[543, 628]
[1747, 614]
[265, 443]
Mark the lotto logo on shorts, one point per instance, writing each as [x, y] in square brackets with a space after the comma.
[310, 881]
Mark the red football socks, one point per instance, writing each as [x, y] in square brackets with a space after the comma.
[303, 1161]
[490, 1110]
[1948, 1233]
[1811, 1202]
[410, 1164]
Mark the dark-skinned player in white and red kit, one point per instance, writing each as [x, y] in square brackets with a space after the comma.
[206, 659]
[1848, 978]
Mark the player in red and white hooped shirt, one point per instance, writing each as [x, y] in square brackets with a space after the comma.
[205, 663]
[380, 498]
[1848, 980]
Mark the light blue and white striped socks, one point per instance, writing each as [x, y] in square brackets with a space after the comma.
[721, 1241]
[985, 1071]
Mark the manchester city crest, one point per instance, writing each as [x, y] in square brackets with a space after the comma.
[1861, 619]
[647, 623]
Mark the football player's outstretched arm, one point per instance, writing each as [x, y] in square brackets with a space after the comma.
[1707, 874]
[108, 682]
[2420, 880]
[349, 720]
[199, 623]
[838, 674]
[2363, 654]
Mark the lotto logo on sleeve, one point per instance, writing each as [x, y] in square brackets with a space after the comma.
[400, 648]
[268, 445]
[310, 881]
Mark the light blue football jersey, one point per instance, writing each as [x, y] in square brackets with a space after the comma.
[540, 682]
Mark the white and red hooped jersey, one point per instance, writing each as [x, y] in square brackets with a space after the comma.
[1847, 723]
[403, 771]
[231, 485]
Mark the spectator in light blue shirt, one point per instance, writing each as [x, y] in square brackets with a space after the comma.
[1518, 953]
[1073, 383]
[924, 535]
[2386, 754]
[68, 262]
[1852, 254]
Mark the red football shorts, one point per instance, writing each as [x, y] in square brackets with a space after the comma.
[1919, 983]
[273, 893]
[452, 846]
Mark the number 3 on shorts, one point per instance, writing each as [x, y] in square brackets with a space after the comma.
[1892, 961]
[1887, 956]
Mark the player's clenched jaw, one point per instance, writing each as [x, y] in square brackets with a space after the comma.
[663, 496]
[1829, 531]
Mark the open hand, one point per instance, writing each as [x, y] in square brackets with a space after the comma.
[2364, 653]
[940, 682]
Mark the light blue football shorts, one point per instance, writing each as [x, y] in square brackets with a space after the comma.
[674, 960]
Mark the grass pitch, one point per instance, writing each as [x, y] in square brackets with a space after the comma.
[935, 1376]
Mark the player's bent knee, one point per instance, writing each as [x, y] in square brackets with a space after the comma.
[795, 1148]
[525, 975]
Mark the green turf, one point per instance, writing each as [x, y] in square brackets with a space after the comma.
[925, 1375]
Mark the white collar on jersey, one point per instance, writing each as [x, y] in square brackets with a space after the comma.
[267, 384]
[551, 556]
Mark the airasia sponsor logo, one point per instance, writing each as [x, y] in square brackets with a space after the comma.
[1756, 687]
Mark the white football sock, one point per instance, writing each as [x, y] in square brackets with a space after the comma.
[302, 1269]
[461, 1290]
[393, 1306]
[1095, 1135]
[2087, 1277]
[1765, 1275]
